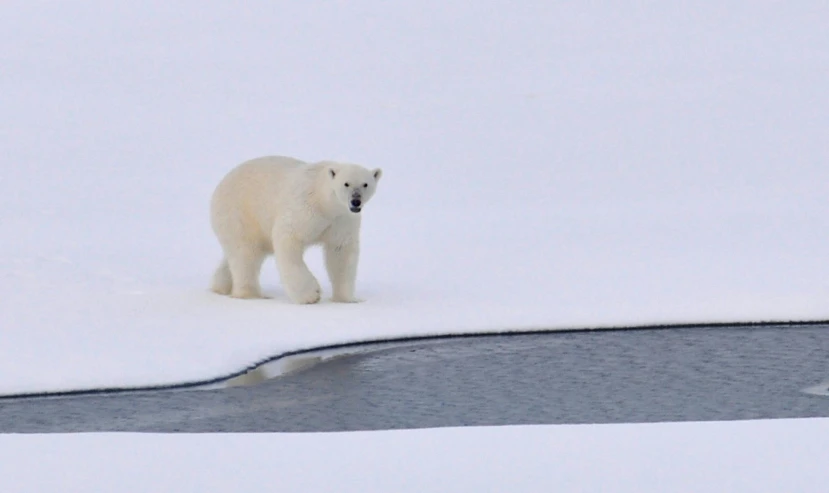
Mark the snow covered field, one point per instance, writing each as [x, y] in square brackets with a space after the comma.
[749, 457]
[546, 165]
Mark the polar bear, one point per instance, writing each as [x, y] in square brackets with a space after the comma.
[280, 205]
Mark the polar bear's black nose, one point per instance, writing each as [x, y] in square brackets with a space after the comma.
[356, 203]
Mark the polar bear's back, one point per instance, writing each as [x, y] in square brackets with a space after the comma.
[250, 195]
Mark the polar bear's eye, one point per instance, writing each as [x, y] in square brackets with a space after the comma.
[346, 184]
[365, 185]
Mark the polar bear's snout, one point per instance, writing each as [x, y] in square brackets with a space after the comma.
[356, 202]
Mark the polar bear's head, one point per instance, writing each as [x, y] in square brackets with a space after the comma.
[353, 185]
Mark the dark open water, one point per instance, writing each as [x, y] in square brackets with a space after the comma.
[579, 377]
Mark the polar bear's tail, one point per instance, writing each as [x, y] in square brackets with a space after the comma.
[222, 281]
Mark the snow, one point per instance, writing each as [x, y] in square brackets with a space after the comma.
[753, 456]
[546, 165]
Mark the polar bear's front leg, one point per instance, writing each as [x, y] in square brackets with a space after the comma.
[297, 280]
[341, 263]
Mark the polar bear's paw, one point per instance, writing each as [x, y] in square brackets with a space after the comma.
[221, 288]
[309, 294]
[246, 293]
[307, 298]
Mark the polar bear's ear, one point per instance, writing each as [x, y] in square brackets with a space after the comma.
[332, 172]
[377, 174]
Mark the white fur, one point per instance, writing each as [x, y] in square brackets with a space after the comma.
[281, 206]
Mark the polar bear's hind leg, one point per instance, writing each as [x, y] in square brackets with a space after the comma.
[244, 265]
